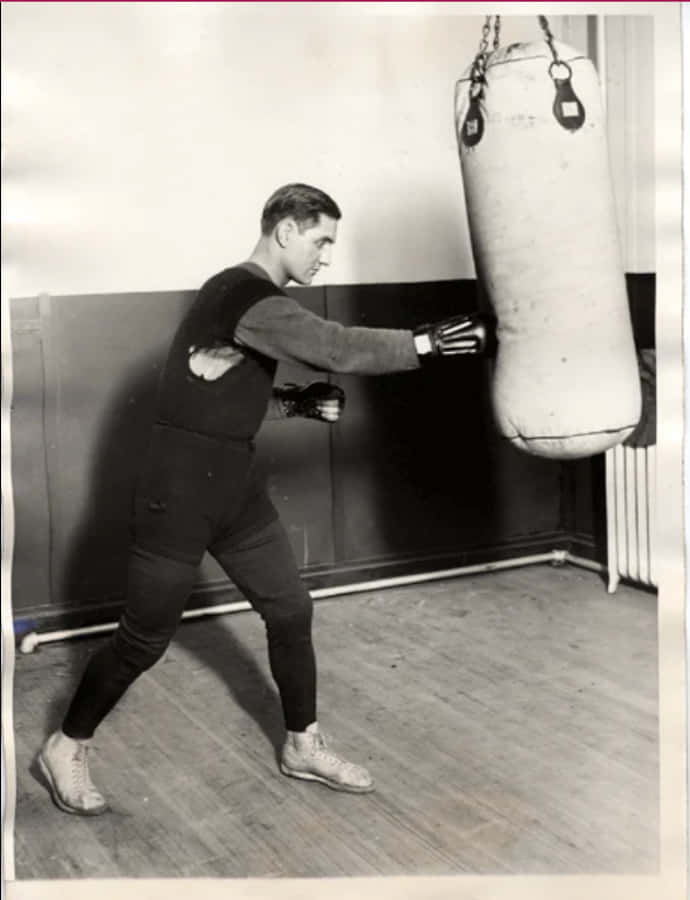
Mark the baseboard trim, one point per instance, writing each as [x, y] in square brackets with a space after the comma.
[31, 640]
[318, 579]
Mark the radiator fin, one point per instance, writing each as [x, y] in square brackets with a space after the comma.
[630, 514]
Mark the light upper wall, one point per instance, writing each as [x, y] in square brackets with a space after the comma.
[627, 70]
[140, 140]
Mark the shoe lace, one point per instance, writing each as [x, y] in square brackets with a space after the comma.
[321, 749]
[80, 770]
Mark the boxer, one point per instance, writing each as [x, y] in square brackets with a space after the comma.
[199, 489]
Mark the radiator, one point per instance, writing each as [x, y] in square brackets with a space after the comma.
[630, 514]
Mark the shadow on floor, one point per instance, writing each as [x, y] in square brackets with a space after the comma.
[238, 668]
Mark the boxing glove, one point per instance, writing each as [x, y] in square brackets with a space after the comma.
[473, 333]
[318, 400]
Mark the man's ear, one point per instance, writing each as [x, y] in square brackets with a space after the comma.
[284, 231]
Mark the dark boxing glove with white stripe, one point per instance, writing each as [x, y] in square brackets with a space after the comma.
[318, 400]
[471, 334]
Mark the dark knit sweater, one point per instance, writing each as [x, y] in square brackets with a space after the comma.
[218, 377]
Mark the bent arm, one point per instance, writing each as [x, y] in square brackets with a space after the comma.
[275, 409]
[282, 329]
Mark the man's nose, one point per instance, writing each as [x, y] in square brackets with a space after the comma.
[325, 257]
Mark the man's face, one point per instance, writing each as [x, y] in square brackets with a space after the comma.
[308, 248]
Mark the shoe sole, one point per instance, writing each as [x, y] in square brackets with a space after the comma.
[334, 785]
[57, 799]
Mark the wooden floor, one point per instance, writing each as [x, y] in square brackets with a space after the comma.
[509, 719]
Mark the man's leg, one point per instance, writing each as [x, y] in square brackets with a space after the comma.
[262, 565]
[157, 591]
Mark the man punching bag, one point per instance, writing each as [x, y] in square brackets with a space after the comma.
[535, 167]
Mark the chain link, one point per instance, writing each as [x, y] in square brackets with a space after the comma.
[543, 21]
[479, 63]
[567, 108]
[478, 71]
[486, 31]
[557, 64]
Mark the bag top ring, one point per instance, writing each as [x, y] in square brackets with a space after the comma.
[564, 65]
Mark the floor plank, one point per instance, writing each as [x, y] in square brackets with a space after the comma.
[509, 719]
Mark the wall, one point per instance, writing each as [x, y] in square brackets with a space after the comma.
[141, 139]
[140, 143]
[627, 74]
[412, 478]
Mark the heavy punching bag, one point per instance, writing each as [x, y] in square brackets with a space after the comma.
[535, 168]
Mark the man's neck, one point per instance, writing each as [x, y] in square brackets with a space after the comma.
[252, 266]
[262, 257]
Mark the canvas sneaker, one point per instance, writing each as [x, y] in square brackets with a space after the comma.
[306, 755]
[63, 762]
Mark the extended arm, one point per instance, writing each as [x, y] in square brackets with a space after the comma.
[282, 329]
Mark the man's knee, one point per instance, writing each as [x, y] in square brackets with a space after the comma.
[138, 650]
[158, 588]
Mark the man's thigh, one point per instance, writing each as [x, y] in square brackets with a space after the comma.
[262, 565]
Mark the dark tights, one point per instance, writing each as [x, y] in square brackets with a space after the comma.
[262, 566]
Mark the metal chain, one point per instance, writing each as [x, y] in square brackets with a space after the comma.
[549, 37]
[557, 64]
[497, 32]
[486, 31]
[478, 71]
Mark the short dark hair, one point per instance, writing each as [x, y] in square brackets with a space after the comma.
[302, 202]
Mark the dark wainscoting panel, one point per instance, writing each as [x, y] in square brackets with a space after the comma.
[417, 464]
[101, 357]
[413, 478]
[641, 297]
[32, 509]
[86, 370]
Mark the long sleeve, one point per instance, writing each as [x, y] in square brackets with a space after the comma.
[281, 328]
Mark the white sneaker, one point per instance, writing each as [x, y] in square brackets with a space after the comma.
[63, 762]
[305, 755]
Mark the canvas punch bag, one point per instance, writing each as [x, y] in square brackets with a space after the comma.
[540, 206]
